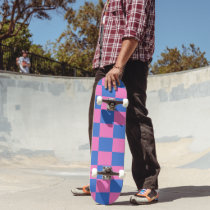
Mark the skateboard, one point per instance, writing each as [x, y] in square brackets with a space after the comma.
[108, 143]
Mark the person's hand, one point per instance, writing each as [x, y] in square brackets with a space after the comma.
[112, 78]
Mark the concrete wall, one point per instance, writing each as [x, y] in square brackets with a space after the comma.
[48, 116]
[179, 104]
[44, 116]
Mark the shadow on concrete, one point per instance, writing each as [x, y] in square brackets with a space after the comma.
[121, 203]
[174, 193]
[128, 193]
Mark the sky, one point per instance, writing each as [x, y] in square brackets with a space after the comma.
[177, 22]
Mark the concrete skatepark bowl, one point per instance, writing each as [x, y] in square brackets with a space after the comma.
[44, 148]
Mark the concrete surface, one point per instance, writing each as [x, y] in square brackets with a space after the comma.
[49, 188]
[44, 149]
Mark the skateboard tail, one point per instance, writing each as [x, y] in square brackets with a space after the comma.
[105, 192]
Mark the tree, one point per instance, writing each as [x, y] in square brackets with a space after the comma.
[20, 41]
[173, 60]
[12, 47]
[38, 50]
[77, 43]
[17, 13]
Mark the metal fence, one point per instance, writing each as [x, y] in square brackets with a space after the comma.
[39, 64]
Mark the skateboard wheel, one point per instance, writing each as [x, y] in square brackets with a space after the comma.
[125, 102]
[94, 172]
[99, 100]
[121, 174]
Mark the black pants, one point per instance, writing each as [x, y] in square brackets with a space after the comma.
[139, 128]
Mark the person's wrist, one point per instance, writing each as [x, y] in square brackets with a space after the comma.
[118, 67]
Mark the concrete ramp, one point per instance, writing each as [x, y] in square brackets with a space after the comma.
[179, 104]
[45, 119]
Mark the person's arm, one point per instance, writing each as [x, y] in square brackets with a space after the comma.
[135, 23]
[17, 61]
[128, 47]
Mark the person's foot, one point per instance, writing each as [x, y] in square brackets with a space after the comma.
[145, 196]
[81, 191]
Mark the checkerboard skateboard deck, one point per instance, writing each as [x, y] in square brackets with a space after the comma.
[108, 143]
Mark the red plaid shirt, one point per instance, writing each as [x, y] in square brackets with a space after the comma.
[122, 19]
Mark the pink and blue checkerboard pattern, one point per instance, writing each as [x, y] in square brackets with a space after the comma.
[108, 144]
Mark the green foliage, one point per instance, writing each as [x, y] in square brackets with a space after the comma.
[173, 60]
[18, 13]
[38, 50]
[15, 45]
[19, 42]
[77, 43]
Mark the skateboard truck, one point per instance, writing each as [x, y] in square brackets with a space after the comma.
[112, 102]
[107, 173]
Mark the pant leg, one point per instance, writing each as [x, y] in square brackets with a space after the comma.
[100, 73]
[139, 128]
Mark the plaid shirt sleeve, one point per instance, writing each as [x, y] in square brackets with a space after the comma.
[135, 18]
[126, 18]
